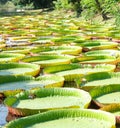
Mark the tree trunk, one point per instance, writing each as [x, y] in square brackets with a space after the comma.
[104, 15]
[78, 9]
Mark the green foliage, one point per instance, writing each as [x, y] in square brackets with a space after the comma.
[107, 8]
[117, 20]
[69, 5]
[28, 4]
[3, 1]
[62, 4]
[16, 2]
[112, 8]
[89, 8]
[33, 3]
[85, 8]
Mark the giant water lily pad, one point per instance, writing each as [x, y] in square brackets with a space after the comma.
[48, 81]
[9, 57]
[49, 60]
[71, 50]
[114, 109]
[104, 95]
[19, 69]
[46, 99]
[106, 52]
[90, 81]
[9, 85]
[72, 71]
[17, 50]
[39, 49]
[66, 118]
[17, 41]
[98, 44]
[43, 40]
[98, 60]
[100, 56]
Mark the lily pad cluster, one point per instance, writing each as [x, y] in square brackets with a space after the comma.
[54, 69]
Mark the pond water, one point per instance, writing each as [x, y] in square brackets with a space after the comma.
[3, 114]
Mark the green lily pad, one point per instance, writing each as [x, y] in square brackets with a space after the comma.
[23, 51]
[99, 45]
[104, 95]
[9, 85]
[108, 52]
[66, 118]
[49, 60]
[10, 57]
[45, 99]
[71, 50]
[19, 69]
[72, 71]
[114, 109]
[98, 60]
[90, 81]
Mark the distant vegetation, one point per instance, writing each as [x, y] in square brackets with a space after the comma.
[86, 8]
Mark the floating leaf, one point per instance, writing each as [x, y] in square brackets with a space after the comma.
[65, 118]
[19, 69]
[44, 99]
[90, 81]
[104, 95]
[49, 60]
[72, 71]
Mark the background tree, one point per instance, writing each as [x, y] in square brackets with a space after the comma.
[101, 10]
[3, 1]
[36, 3]
[106, 8]
[85, 8]
[77, 6]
